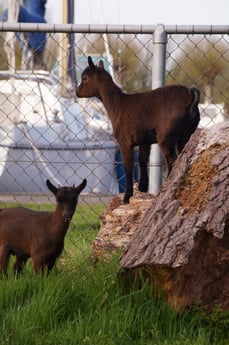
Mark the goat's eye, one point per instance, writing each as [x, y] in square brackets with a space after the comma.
[84, 78]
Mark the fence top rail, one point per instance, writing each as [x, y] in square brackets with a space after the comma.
[107, 28]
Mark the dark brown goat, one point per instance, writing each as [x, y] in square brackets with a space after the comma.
[167, 116]
[37, 234]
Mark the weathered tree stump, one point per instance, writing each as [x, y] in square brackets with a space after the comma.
[179, 239]
[182, 243]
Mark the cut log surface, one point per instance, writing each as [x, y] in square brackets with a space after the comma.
[183, 238]
[119, 222]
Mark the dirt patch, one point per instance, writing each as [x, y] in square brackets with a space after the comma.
[196, 185]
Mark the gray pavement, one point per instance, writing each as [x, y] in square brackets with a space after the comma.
[87, 199]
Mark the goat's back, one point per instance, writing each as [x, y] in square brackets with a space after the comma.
[159, 110]
[13, 212]
[20, 220]
[162, 104]
[163, 98]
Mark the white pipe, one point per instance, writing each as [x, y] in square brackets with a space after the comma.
[158, 79]
[107, 48]
[109, 55]
[9, 46]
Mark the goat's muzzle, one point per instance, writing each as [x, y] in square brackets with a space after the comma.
[67, 216]
[78, 88]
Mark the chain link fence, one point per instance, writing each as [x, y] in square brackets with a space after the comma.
[47, 133]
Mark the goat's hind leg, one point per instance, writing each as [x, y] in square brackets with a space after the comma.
[169, 151]
[128, 161]
[19, 264]
[143, 159]
[184, 136]
[4, 258]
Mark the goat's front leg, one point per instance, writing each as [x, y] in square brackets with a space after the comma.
[43, 265]
[143, 159]
[39, 265]
[128, 162]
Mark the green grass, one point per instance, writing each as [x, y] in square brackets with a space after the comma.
[79, 303]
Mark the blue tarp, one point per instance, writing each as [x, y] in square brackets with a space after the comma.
[32, 11]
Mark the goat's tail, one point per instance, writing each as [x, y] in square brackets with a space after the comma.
[194, 113]
[192, 118]
[195, 93]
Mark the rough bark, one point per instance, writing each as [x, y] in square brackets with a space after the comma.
[182, 242]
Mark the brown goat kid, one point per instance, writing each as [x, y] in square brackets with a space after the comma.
[37, 234]
[167, 116]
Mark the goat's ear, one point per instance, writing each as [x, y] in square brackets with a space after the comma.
[101, 64]
[51, 187]
[90, 62]
[81, 186]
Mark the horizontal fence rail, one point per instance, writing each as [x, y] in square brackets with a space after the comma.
[108, 28]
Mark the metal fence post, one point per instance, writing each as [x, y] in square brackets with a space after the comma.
[158, 79]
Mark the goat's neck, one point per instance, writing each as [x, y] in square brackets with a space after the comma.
[109, 94]
[59, 225]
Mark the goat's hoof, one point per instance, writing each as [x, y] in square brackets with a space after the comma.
[126, 200]
[143, 188]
